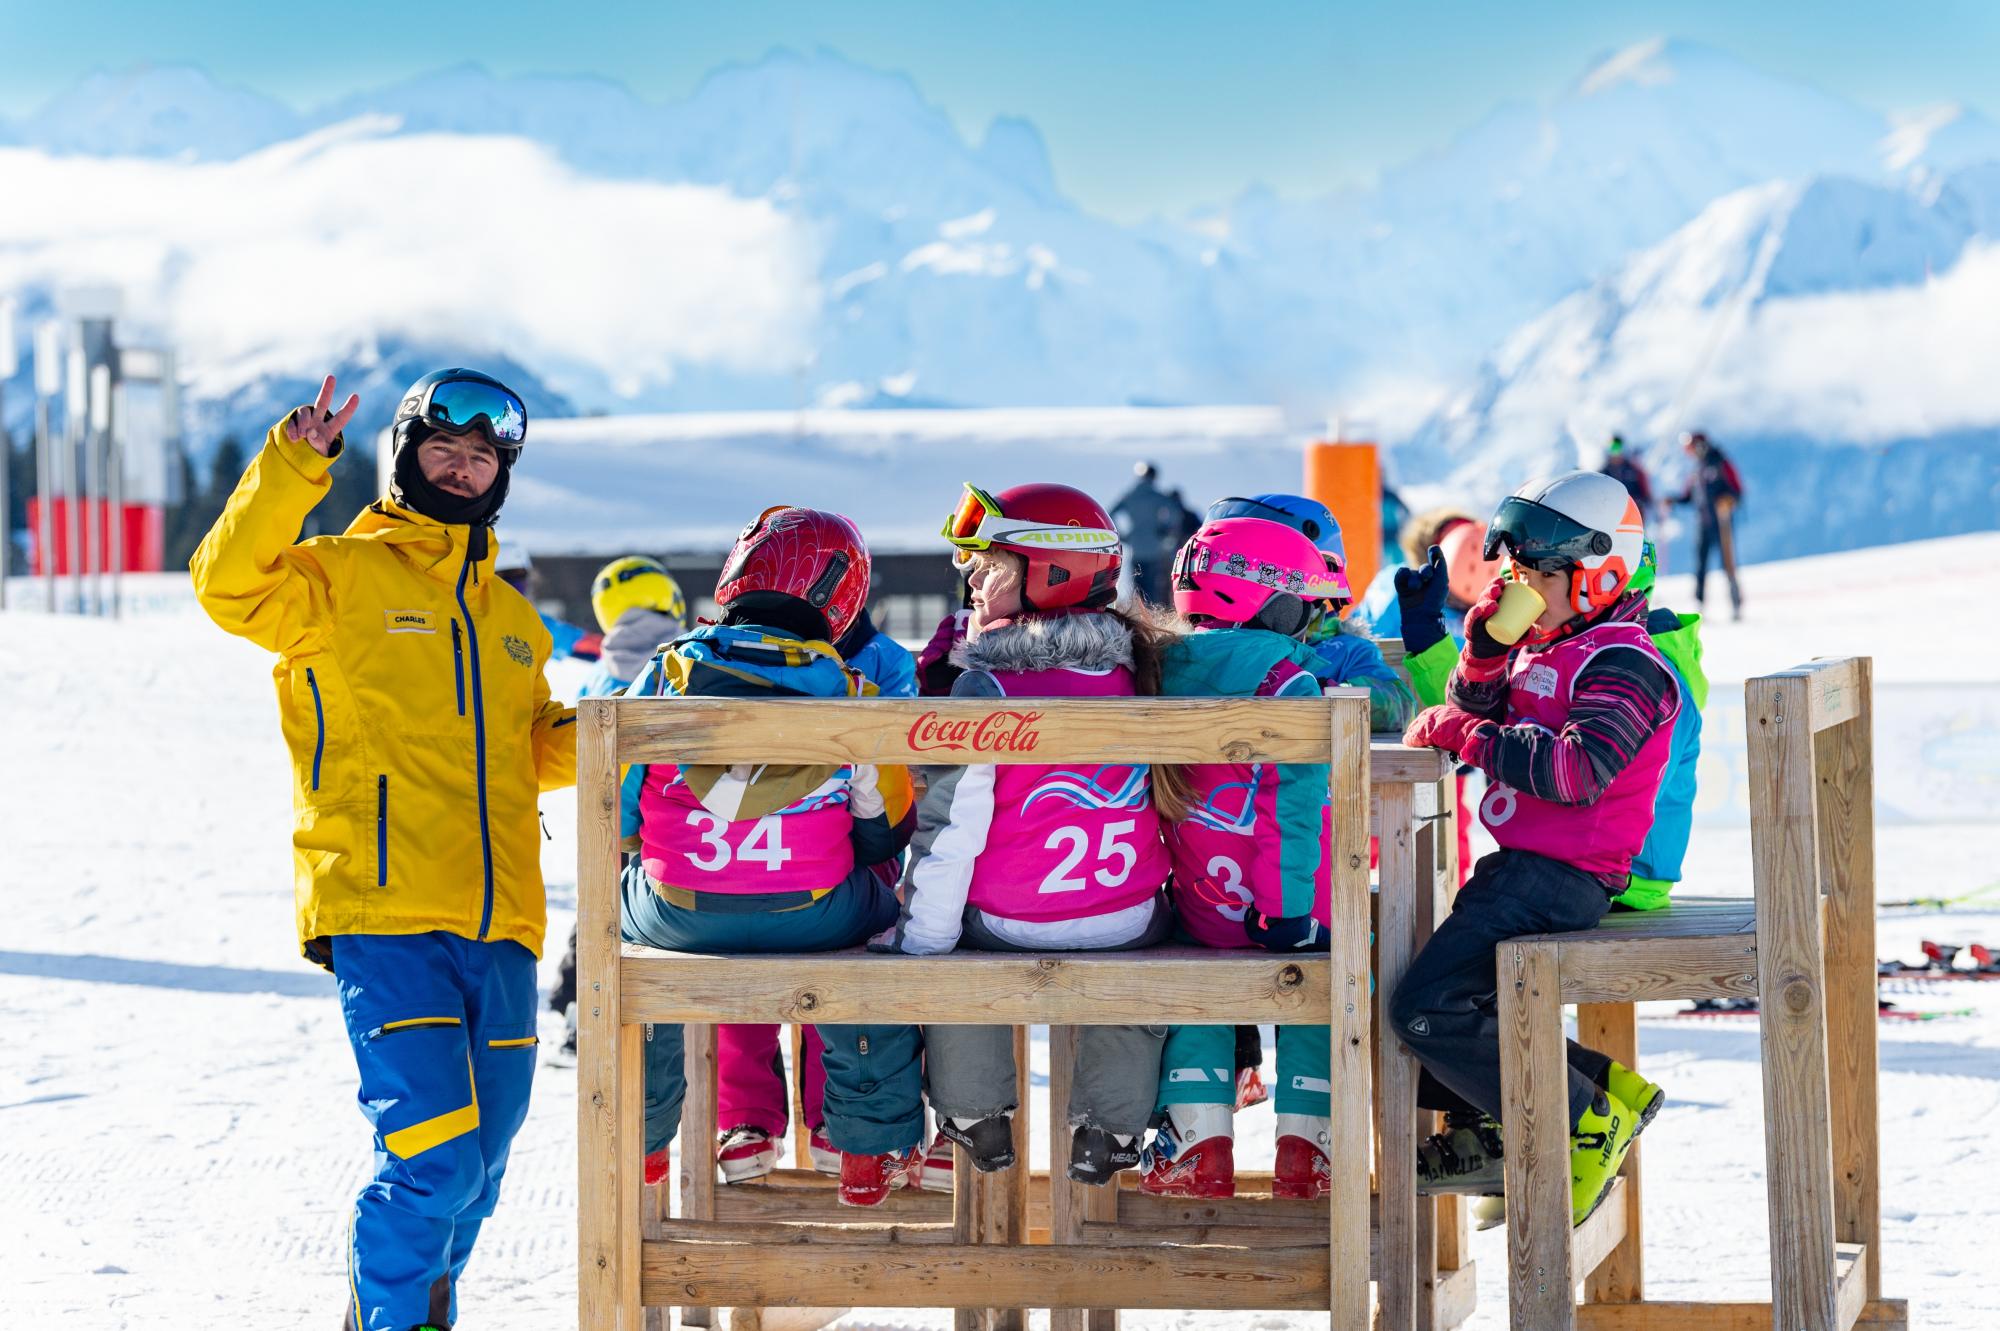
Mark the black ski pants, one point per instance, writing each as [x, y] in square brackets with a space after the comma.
[1446, 1010]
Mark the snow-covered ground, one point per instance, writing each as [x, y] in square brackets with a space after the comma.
[178, 1143]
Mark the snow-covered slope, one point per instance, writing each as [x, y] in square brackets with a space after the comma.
[181, 1143]
[1836, 336]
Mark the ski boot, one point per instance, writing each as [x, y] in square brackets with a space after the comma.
[1642, 1097]
[659, 1168]
[939, 1166]
[1596, 1149]
[1304, 1169]
[825, 1160]
[867, 1180]
[989, 1141]
[1193, 1154]
[744, 1153]
[1097, 1155]
[1464, 1158]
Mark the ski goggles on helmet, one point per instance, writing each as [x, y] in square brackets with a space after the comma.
[978, 524]
[1199, 557]
[461, 405]
[1238, 507]
[1538, 537]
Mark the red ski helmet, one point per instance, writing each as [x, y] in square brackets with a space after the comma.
[1068, 541]
[807, 556]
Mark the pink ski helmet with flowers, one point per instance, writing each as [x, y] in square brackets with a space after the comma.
[1230, 570]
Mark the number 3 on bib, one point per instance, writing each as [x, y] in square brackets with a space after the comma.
[762, 846]
[1075, 844]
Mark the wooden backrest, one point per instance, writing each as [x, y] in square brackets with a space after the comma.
[989, 730]
[1812, 784]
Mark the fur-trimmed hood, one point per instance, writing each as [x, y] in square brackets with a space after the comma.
[1091, 640]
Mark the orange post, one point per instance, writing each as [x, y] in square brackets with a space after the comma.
[1347, 478]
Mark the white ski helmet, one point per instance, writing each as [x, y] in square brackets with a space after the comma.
[1581, 522]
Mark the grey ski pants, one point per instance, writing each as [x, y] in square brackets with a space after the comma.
[969, 1070]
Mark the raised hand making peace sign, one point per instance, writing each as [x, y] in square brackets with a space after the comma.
[319, 427]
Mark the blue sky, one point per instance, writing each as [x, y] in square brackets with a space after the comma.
[1146, 106]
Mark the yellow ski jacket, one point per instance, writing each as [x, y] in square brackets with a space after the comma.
[411, 692]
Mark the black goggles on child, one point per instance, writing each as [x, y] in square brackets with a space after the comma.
[1538, 537]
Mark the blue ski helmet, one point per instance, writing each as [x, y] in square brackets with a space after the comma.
[1301, 514]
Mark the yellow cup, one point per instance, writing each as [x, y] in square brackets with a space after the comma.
[1520, 606]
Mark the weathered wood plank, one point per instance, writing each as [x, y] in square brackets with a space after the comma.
[1599, 969]
[958, 730]
[1597, 1238]
[1613, 1029]
[654, 1208]
[608, 1090]
[1345, 1261]
[697, 1142]
[1535, 1071]
[770, 1233]
[958, 1275]
[1844, 762]
[1184, 985]
[1396, 1072]
[1444, 1237]
[1852, 1260]
[1792, 1000]
[1836, 689]
[1882, 1315]
[762, 1202]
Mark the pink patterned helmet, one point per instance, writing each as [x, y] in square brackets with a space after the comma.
[1232, 568]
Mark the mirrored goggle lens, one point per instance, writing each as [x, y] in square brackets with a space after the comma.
[457, 404]
[1534, 535]
[973, 509]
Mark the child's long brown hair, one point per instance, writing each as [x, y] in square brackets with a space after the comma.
[1153, 630]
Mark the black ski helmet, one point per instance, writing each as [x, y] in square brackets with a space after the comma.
[422, 404]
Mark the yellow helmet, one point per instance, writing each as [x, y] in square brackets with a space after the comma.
[631, 582]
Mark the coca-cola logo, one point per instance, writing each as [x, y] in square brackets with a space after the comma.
[996, 732]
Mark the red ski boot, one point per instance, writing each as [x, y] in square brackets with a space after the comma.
[1192, 1155]
[867, 1180]
[1303, 1170]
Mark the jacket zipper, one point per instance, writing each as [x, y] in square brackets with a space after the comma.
[319, 725]
[458, 663]
[382, 830]
[478, 748]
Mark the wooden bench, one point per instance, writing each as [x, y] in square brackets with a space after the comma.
[1804, 947]
[1105, 1249]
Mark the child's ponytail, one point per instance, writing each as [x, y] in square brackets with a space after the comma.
[1153, 630]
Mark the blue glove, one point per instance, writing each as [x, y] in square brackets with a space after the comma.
[1286, 933]
[1420, 594]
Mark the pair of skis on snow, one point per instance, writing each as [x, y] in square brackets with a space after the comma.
[1945, 961]
[1942, 961]
[1713, 1008]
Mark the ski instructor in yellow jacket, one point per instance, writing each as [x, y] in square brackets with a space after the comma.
[421, 730]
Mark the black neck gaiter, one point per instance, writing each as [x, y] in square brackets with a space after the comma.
[408, 487]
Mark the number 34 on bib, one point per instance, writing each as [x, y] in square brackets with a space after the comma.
[763, 845]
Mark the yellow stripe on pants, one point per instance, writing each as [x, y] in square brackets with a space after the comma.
[420, 1137]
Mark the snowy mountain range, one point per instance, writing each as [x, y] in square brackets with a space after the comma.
[1674, 238]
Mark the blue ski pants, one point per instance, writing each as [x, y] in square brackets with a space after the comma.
[443, 1030]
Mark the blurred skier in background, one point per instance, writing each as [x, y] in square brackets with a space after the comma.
[1715, 490]
[1153, 522]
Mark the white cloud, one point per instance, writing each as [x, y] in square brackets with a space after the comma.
[1870, 366]
[288, 255]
